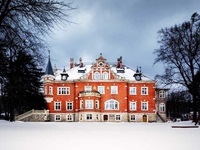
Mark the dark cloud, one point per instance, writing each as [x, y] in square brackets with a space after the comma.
[117, 28]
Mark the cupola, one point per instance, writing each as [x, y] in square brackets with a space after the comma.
[64, 75]
[138, 74]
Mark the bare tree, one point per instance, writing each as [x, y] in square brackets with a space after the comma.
[23, 27]
[180, 52]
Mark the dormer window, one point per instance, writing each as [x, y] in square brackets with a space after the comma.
[81, 70]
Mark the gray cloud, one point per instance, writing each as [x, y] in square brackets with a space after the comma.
[117, 28]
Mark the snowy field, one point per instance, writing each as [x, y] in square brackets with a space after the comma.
[92, 136]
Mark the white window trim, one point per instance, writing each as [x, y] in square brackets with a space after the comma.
[112, 89]
[105, 74]
[133, 103]
[147, 104]
[88, 119]
[162, 94]
[162, 105]
[56, 117]
[95, 75]
[103, 89]
[86, 101]
[131, 90]
[81, 104]
[147, 91]
[97, 104]
[114, 104]
[67, 105]
[50, 90]
[117, 119]
[55, 106]
[67, 117]
[87, 88]
[67, 89]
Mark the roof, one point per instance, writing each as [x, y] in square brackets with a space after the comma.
[74, 75]
[49, 69]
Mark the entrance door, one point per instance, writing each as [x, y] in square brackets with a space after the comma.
[144, 118]
[105, 117]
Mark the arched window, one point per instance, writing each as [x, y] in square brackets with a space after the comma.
[96, 76]
[162, 94]
[162, 107]
[105, 76]
[111, 105]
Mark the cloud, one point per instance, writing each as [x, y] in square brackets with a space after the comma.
[118, 28]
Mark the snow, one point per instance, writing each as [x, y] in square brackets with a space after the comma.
[93, 135]
[73, 73]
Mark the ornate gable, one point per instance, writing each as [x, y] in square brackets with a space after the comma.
[101, 70]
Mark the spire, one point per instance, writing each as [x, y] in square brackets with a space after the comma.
[49, 69]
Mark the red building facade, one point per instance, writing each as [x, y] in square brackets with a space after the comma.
[99, 92]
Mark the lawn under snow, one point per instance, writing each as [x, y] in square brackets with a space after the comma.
[92, 136]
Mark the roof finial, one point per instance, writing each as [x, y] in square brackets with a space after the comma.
[49, 53]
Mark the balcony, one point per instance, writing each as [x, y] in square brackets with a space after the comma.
[89, 93]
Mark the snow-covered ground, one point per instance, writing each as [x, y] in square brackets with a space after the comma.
[92, 136]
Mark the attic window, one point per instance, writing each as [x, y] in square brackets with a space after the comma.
[100, 64]
[120, 70]
[81, 70]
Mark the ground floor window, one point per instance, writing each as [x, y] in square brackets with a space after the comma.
[89, 117]
[57, 117]
[69, 118]
[117, 117]
[132, 117]
[97, 116]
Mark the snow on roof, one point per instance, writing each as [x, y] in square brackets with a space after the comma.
[74, 74]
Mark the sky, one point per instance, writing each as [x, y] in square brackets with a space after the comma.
[127, 28]
[94, 135]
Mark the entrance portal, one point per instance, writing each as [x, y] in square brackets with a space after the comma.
[144, 118]
[105, 117]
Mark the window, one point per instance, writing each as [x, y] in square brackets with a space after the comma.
[96, 76]
[69, 117]
[162, 94]
[132, 118]
[111, 105]
[132, 105]
[97, 104]
[69, 105]
[101, 89]
[162, 107]
[81, 104]
[114, 89]
[117, 117]
[132, 90]
[51, 90]
[144, 105]
[144, 91]
[105, 76]
[88, 88]
[45, 90]
[89, 104]
[57, 105]
[97, 117]
[57, 118]
[63, 90]
[89, 116]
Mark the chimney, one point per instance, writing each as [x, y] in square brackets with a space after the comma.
[120, 63]
[71, 63]
[80, 62]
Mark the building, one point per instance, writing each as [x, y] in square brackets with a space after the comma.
[99, 92]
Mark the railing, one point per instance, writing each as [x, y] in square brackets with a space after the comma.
[163, 120]
[29, 113]
[89, 93]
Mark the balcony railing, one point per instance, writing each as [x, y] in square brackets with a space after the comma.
[89, 93]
